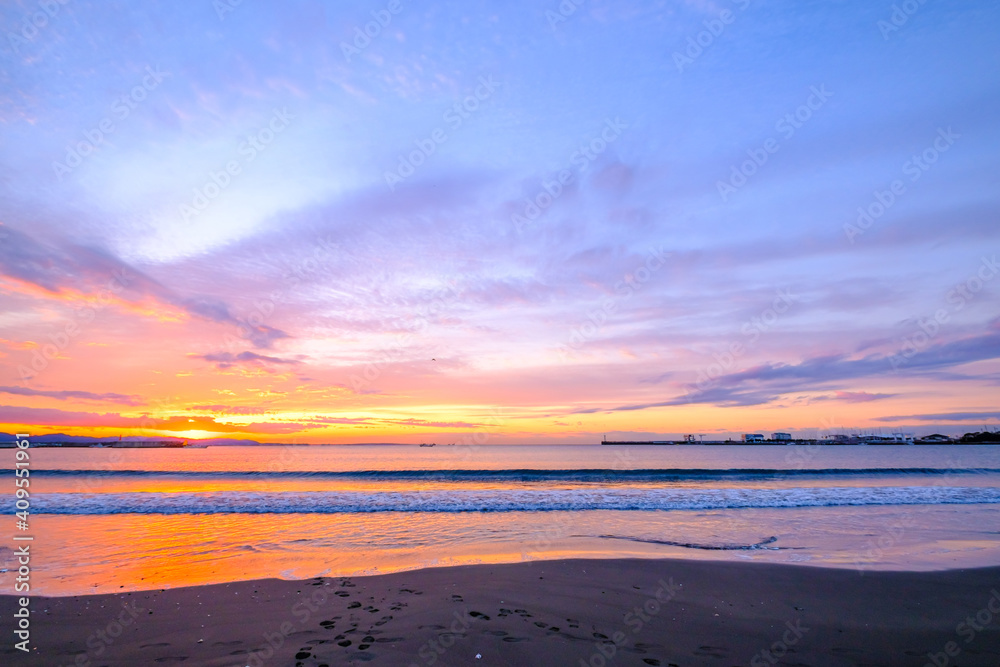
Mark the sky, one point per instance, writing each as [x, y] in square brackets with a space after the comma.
[517, 222]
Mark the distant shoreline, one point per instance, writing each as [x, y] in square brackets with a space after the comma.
[781, 443]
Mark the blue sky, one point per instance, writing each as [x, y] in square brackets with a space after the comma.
[547, 319]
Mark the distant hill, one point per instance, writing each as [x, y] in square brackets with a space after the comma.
[85, 439]
[216, 442]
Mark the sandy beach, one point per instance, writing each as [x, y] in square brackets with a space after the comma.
[623, 612]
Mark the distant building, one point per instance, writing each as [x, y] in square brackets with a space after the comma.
[935, 437]
[781, 437]
[753, 437]
[879, 439]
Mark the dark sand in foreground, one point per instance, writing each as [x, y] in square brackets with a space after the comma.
[634, 612]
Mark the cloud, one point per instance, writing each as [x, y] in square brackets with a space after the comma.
[233, 409]
[944, 416]
[421, 422]
[853, 397]
[51, 417]
[72, 268]
[396, 422]
[65, 395]
[228, 359]
[766, 383]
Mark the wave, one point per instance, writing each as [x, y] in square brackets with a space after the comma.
[694, 545]
[530, 474]
[521, 500]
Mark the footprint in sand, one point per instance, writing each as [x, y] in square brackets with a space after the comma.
[573, 623]
[172, 658]
[302, 655]
[712, 651]
[430, 627]
[457, 598]
[232, 643]
[383, 620]
[342, 594]
[158, 645]
[480, 615]
[516, 639]
[496, 633]
[354, 605]
[652, 661]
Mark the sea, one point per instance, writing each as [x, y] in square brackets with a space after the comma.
[108, 519]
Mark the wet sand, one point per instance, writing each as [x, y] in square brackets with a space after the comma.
[600, 612]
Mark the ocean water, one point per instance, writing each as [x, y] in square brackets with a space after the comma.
[112, 519]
